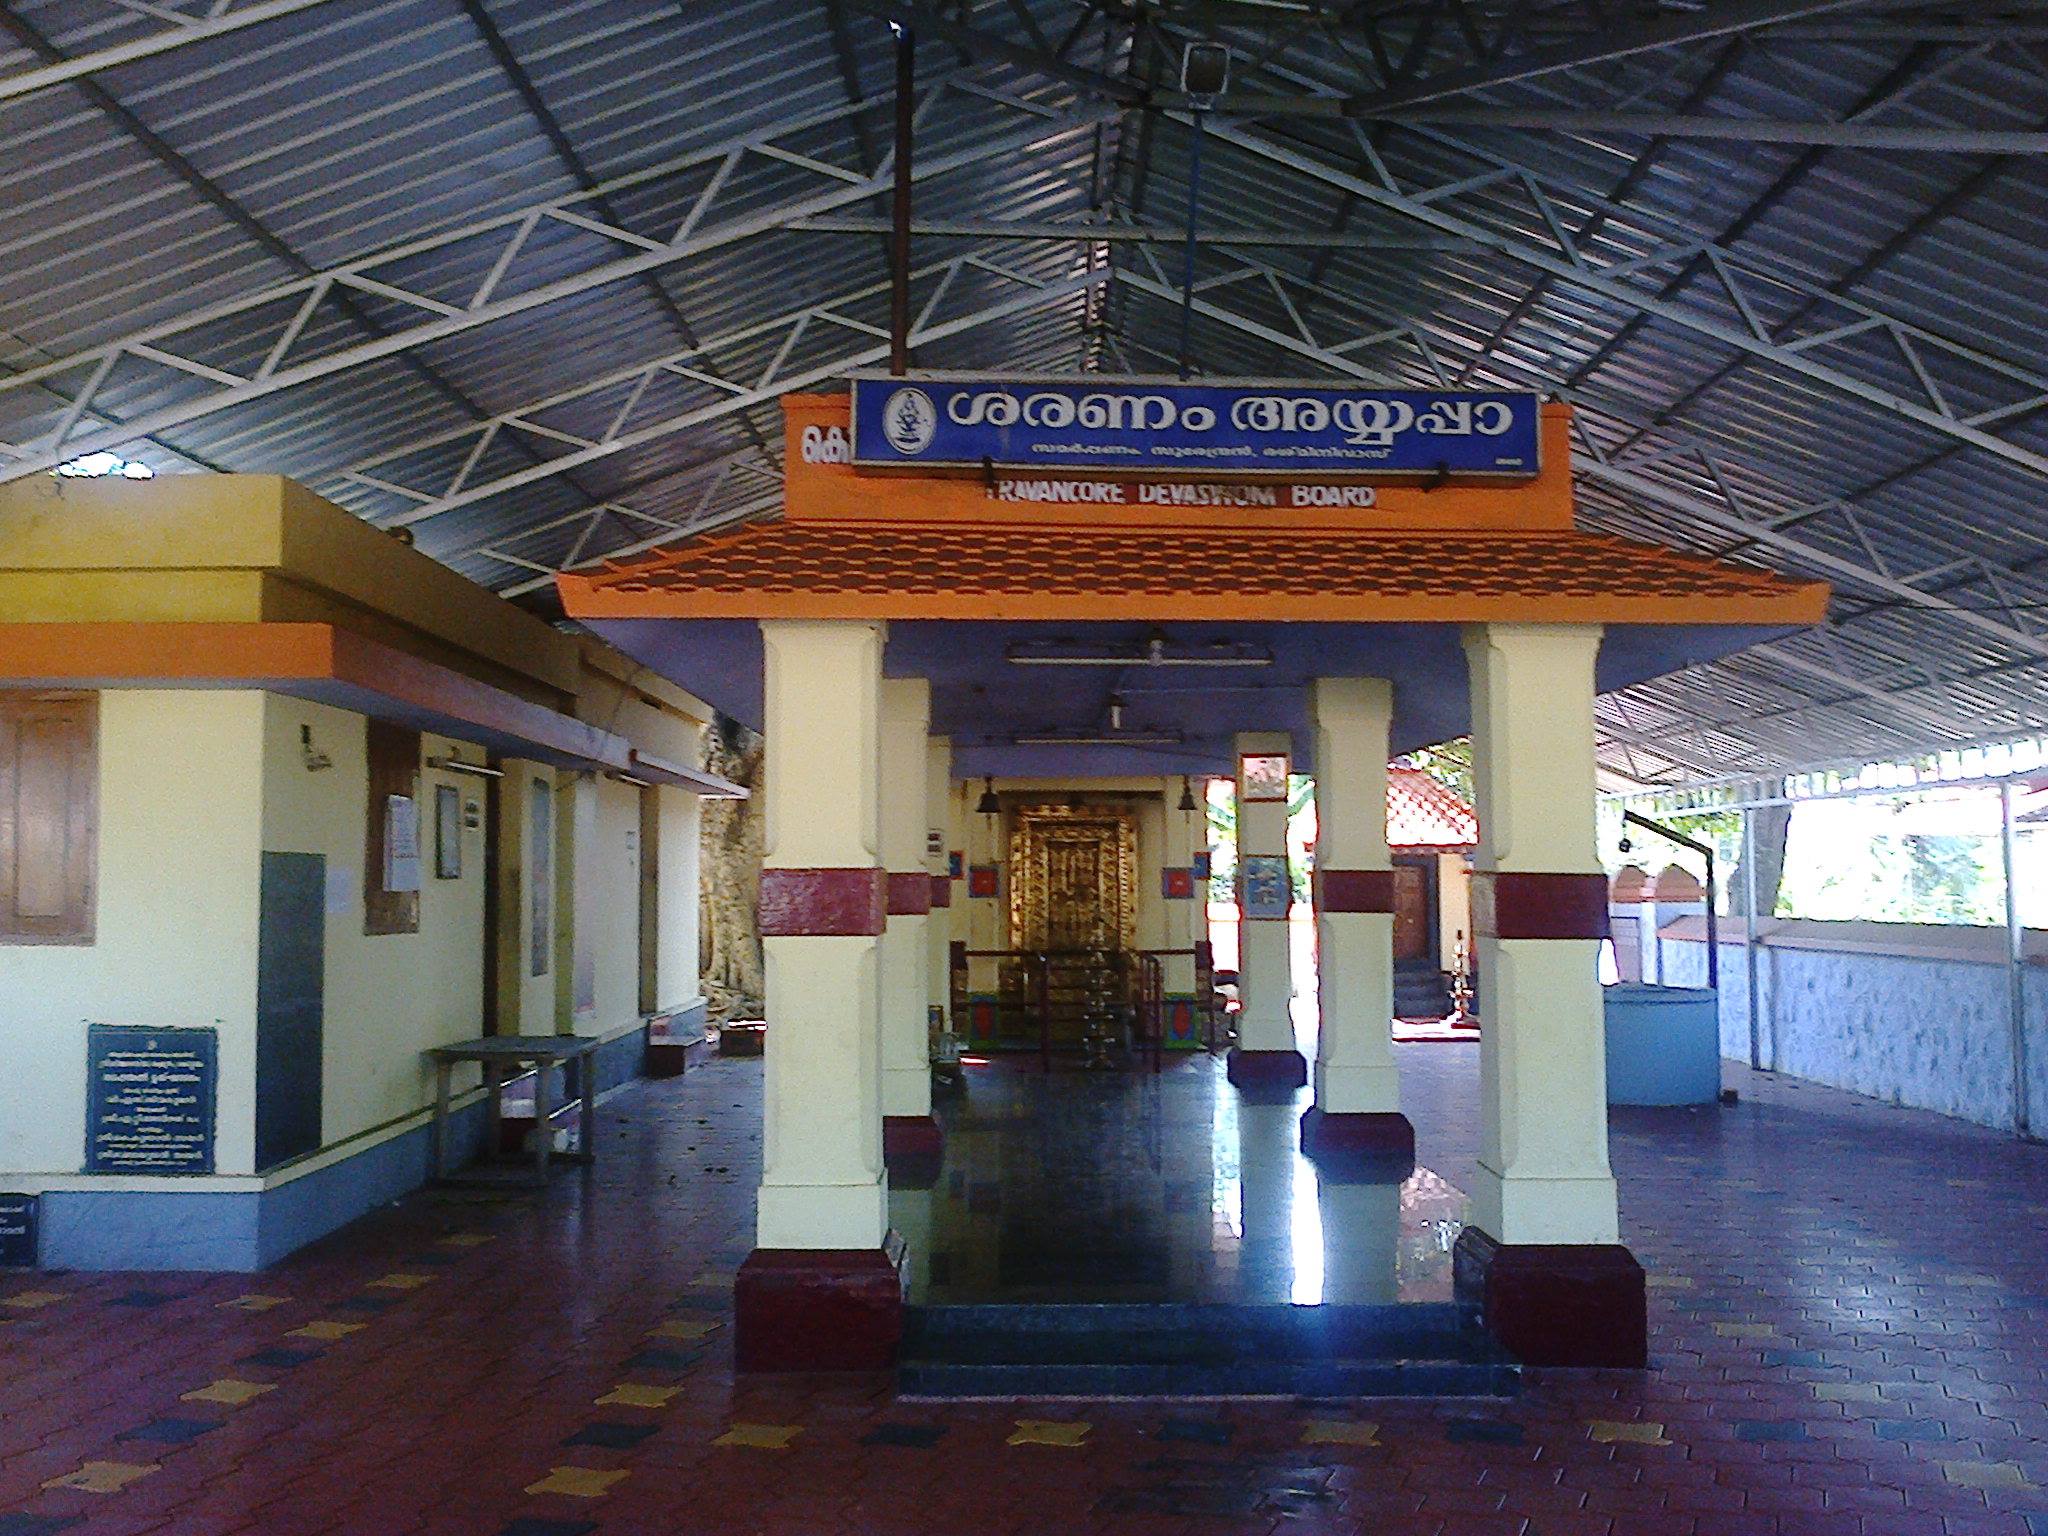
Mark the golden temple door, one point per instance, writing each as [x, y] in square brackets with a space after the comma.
[1074, 879]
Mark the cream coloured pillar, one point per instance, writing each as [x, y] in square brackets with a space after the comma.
[938, 817]
[1541, 1254]
[1265, 1055]
[823, 910]
[1185, 836]
[906, 953]
[1358, 1091]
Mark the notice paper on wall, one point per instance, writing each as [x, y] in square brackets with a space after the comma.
[401, 843]
[341, 888]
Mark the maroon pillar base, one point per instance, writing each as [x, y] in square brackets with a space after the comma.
[826, 1309]
[913, 1147]
[1267, 1073]
[912, 1136]
[1367, 1142]
[1556, 1303]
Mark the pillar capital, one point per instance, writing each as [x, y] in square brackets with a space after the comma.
[822, 707]
[1351, 717]
[1532, 745]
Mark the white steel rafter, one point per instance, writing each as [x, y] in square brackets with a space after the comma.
[1658, 479]
[55, 402]
[174, 27]
[861, 345]
[1752, 289]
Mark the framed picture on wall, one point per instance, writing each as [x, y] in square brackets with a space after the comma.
[1263, 775]
[447, 832]
[1266, 889]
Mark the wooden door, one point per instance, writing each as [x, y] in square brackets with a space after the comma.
[1411, 914]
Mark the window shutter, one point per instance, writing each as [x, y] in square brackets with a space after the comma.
[49, 816]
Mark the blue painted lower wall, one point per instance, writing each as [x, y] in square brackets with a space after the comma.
[243, 1230]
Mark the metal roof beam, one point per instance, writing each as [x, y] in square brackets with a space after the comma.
[1617, 41]
[1740, 130]
[1570, 266]
[626, 431]
[286, 307]
[177, 31]
[1122, 232]
[1691, 504]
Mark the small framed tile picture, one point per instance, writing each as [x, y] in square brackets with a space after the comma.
[1263, 775]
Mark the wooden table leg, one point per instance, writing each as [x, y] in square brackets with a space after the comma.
[494, 1117]
[543, 1128]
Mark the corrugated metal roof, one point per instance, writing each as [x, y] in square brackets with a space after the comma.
[269, 246]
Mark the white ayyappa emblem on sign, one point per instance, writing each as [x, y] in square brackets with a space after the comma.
[909, 420]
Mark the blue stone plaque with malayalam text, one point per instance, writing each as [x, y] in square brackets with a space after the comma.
[150, 1097]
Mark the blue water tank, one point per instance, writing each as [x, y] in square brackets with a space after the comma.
[1663, 1044]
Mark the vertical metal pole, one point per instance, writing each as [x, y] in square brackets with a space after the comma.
[2015, 962]
[1187, 270]
[899, 234]
[1713, 935]
[1756, 1052]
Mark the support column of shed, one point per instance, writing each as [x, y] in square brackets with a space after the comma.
[1265, 1057]
[1541, 1257]
[938, 816]
[821, 1290]
[909, 1134]
[1357, 1112]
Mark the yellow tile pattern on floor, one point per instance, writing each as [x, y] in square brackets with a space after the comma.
[102, 1476]
[1062, 1432]
[229, 1391]
[761, 1437]
[577, 1482]
[1625, 1432]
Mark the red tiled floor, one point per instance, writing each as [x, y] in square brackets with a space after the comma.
[1898, 1385]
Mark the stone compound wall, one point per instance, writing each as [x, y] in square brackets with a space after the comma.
[1926, 1033]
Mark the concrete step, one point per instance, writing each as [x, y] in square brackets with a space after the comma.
[1199, 1351]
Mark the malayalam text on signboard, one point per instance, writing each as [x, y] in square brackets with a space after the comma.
[150, 1099]
[1143, 426]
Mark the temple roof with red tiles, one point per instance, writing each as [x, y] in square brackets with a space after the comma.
[952, 571]
[1423, 812]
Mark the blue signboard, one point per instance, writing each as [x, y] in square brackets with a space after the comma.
[150, 1099]
[1146, 427]
[17, 1231]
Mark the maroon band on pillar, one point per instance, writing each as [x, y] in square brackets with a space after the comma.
[1520, 904]
[910, 895]
[1354, 890]
[814, 903]
[942, 890]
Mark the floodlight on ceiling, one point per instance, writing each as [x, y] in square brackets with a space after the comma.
[1156, 651]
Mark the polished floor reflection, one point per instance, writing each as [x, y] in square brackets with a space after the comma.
[1129, 1187]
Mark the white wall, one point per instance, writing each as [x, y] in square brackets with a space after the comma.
[180, 786]
[607, 897]
[388, 996]
[675, 949]
[1924, 1032]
